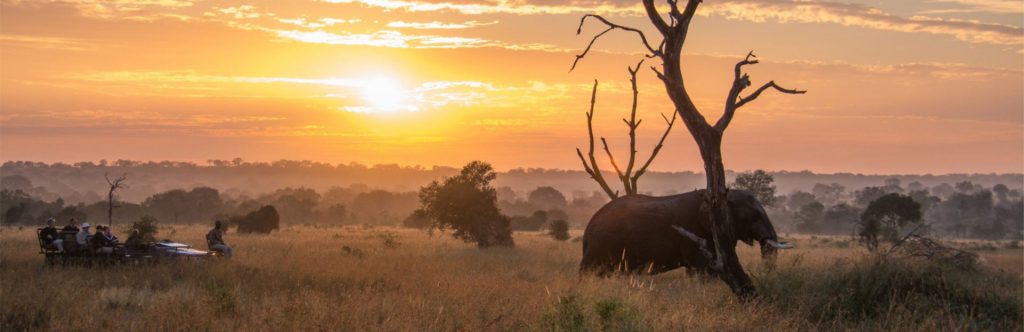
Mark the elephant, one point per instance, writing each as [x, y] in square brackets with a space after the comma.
[645, 234]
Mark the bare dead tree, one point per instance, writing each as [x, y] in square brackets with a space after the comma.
[115, 184]
[708, 137]
[630, 177]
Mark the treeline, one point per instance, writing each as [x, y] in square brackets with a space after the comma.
[82, 182]
[355, 204]
[962, 209]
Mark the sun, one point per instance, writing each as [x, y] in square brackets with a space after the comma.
[384, 94]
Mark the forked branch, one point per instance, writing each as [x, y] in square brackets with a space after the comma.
[740, 82]
[631, 175]
[611, 26]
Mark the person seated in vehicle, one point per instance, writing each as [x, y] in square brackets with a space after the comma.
[215, 239]
[83, 236]
[104, 241]
[71, 227]
[50, 236]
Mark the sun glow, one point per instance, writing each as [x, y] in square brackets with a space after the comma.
[383, 94]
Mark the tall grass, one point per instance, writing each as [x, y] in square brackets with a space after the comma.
[348, 278]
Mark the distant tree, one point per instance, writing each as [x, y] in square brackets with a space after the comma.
[559, 230]
[546, 198]
[924, 198]
[1002, 193]
[885, 217]
[916, 186]
[943, 191]
[15, 182]
[798, 199]
[867, 195]
[758, 183]
[966, 187]
[828, 193]
[809, 216]
[892, 185]
[506, 194]
[417, 219]
[264, 221]
[467, 204]
[840, 218]
[534, 222]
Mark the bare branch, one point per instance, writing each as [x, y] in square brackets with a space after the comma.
[632, 124]
[611, 26]
[593, 169]
[770, 84]
[612, 159]
[740, 82]
[643, 169]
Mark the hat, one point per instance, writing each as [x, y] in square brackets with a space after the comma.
[85, 225]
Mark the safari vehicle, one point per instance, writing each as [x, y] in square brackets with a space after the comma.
[146, 253]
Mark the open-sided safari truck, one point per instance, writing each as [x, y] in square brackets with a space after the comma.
[75, 253]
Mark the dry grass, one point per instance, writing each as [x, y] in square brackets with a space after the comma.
[304, 278]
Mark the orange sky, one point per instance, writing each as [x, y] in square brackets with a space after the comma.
[915, 86]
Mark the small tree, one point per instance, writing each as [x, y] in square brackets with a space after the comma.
[115, 185]
[885, 217]
[758, 183]
[264, 221]
[467, 204]
[559, 230]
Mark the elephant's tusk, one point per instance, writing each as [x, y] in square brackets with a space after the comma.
[689, 235]
[777, 245]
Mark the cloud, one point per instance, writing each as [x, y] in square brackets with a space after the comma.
[974, 6]
[56, 43]
[395, 39]
[435, 25]
[780, 11]
[317, 24]
[855, 15]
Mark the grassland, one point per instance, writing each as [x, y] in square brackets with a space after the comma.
[370, 279]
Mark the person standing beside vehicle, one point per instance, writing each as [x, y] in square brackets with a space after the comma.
[215, 239]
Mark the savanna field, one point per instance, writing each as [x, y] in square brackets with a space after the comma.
[391, 279]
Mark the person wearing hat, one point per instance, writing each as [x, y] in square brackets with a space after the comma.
[51, 238]
[215, 239]
[83, 236]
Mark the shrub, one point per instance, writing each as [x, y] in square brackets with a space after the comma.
[566, 315]
[264, 221]
[616, 315]
[559, 230]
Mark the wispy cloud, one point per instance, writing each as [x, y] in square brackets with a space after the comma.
[396, 39]
[435, 25]
[973, 6]
[862, 16]
[57, 43]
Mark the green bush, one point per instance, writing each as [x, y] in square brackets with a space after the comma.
[566, 315]
[859, 292]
